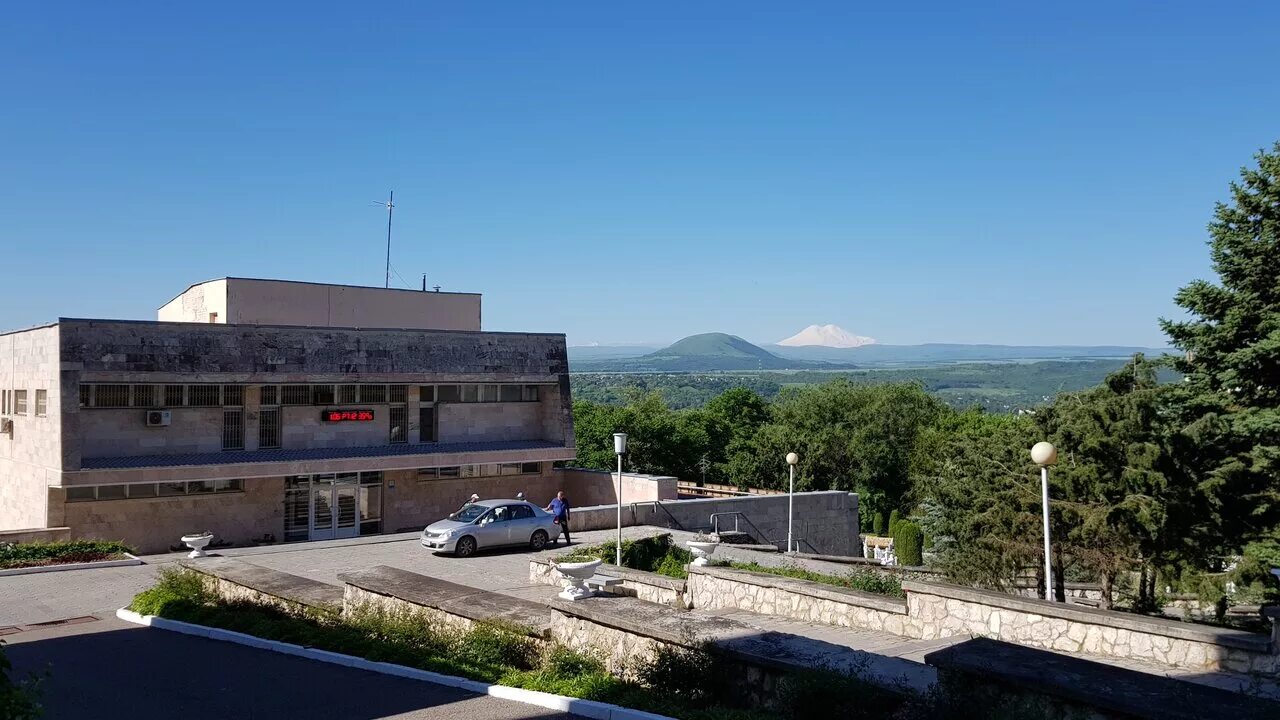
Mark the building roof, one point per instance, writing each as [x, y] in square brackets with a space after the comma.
[306, 282]
[235, 457]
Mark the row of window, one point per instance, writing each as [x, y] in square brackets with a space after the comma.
[118, 395]
[14, 402]
[84, 493]
[486, 470]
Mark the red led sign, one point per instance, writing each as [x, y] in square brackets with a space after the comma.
[346, 415]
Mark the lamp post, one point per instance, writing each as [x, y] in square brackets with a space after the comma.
[619, 449]
[1045, 454]
[792, 459]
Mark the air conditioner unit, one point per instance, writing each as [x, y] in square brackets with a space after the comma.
[158, 418]
[6, 426]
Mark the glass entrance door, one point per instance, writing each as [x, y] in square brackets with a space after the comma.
[333, 506]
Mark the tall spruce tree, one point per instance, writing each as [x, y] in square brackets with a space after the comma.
[1229, 406]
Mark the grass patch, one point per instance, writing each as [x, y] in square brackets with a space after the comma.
[864, 580]
[658, 554]
[36, 554]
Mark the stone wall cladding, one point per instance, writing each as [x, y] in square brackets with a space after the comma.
[31, 456]
[152, 525]
[413, 504]
[932, 614]
[355, 599]
[716, 588]
[52, 534]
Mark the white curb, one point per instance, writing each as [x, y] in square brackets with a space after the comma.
[574, 706]
[129, 560]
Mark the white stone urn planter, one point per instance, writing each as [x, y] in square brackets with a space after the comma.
[575, 578]
[197, 543]
[702, 549]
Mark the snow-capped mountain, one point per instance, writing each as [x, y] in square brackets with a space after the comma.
[832, 336]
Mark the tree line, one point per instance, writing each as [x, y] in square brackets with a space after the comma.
[1157, 482]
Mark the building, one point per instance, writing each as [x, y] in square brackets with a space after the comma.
[266, 410]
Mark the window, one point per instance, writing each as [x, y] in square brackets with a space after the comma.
[427, 424]
[373, 393]
[530, 468]
[399, 415]
[233, 430]
[295, 395]
[20, 402]
[470, 393]
[200, 486]
[269, 395]
[397, 393]
[233, 395]
[204, 395]
[143, 490]
[427, 474]
[172, 488]
[224, 486]
[448, 472]
[509, 393]
[86, 397]
[42, 403]
[269, 429]
[111, 396]
[520, 512]
[488, 393]
[143, 395]
[370, 502]
[531, 393]
[112, 492]
[448, 393]
[509, 469]
[426, 393]
[175, 395]
[322, 395]
[347, 394]
[76, 494]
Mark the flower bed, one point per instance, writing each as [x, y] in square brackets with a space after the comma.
[40, 554]
[657, 554]
[864, 580]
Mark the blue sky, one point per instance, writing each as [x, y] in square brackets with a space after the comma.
[996, 173]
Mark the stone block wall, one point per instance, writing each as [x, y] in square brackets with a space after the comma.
[828, 521]
[30, 456]
[647, 586]
[151, 525]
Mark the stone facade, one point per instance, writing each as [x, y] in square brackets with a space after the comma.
[31, 454]
[647, 586]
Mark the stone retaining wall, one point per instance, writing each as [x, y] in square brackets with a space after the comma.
[714, 588]
[935, 611]
[647, 586]
[938, 611]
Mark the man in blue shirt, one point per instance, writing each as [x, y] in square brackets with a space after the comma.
[559, 507]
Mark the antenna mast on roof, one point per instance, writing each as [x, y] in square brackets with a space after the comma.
[389, 205]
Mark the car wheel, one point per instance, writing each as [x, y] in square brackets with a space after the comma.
[539, 540]
[466, 547]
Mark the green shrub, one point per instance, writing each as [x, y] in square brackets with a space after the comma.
[822, 693]
[684, 673]
[19, 700]
[175, 589]
[654, 554]
[894, 519]
[32, 554]
[908, 543]
[877, 524]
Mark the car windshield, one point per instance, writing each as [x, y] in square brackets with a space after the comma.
[470, 512]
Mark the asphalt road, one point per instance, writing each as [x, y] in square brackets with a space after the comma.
[110, 669]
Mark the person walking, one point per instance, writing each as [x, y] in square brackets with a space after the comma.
[559, 507]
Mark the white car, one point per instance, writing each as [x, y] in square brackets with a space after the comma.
[491, 523]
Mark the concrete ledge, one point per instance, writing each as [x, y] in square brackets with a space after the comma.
[643, 577]
[822, 591]
[562, 703]
[25, 535]
[1224, 637]
[129, 560]
[277, 584]
[454, 599]
[1129, 693]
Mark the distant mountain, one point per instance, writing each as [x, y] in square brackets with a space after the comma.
[943, 353]
[832, 336]
[707, 352]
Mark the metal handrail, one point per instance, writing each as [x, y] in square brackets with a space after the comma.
[715, 524]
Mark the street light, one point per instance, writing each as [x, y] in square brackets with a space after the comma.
[792, 459]
[1045, 454]
[619, 449]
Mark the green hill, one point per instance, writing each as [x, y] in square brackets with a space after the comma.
[714, 351]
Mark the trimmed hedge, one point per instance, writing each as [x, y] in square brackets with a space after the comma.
[894, 519]
[908, 543]
[35, 554]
